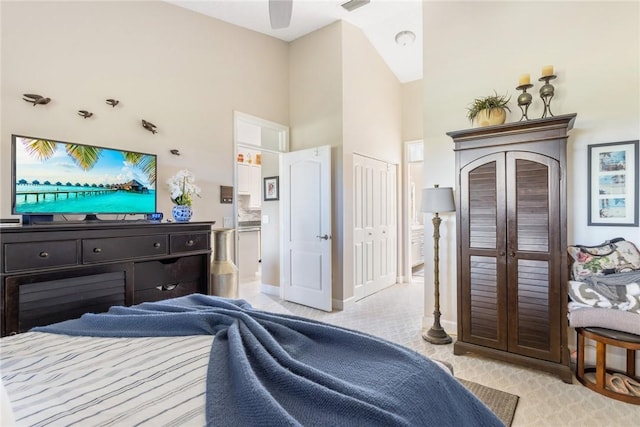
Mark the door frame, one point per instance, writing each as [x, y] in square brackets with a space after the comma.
[283, 147]
[406, 218]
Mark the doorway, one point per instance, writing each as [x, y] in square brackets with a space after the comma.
[258, 144]
[414, 217]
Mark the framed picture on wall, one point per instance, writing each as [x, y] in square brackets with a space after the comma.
[271, 188]
[613, 184]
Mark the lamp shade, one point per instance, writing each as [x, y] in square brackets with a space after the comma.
[438, 199]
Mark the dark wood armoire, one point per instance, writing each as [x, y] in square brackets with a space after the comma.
[512, 239]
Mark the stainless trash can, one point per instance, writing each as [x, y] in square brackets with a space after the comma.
[224, 273]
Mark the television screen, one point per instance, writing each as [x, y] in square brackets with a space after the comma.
[54, 177]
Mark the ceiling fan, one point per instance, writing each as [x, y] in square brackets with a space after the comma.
[280, 13]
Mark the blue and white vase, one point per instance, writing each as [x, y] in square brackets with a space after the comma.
[182, 213]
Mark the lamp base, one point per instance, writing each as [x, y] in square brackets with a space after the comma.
[437, 336]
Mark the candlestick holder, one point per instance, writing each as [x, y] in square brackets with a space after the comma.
[546, 93]
[524, 100]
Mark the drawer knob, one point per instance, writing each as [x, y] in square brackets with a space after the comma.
[190, 242]
[169, 287]
[44, 254]
[156, 245]
[97, 250]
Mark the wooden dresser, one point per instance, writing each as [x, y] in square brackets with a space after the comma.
[512, 239]
[51, 273]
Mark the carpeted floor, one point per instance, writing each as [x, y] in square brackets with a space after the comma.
[502, 404]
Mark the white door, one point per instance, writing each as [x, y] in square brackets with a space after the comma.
[387, 225]
[305, 196]
[374, 234]
[364, 229]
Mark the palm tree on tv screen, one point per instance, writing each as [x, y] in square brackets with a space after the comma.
[146, 163]
[86, 156]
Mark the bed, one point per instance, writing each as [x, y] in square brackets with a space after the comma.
[202, 360]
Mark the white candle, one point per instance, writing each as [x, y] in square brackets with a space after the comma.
[524, 79]
[547, 70]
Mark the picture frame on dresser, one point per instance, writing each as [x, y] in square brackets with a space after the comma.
[613, 184]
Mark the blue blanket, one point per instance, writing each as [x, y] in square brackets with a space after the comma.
[269, 369]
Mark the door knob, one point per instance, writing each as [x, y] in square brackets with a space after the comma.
[325, 237]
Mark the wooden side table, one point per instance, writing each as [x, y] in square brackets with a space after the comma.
[604, 337]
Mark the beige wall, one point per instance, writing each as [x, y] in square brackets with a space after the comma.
[372, 100]
[412, 110]
[270, 254]
[315, 97]
[182, 71]
[372, 117]
[594, 47]
[315, 118]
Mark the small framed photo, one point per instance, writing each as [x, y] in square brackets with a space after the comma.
[271, 188]
[613, 184]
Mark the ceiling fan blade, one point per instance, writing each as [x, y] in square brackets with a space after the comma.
[280, 13]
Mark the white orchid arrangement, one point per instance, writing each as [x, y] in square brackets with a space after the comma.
[182, 188]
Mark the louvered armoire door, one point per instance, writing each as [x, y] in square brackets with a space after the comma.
[533, 254]
[482, 250]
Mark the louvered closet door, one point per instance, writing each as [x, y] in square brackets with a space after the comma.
[533, 255]
[483, 237]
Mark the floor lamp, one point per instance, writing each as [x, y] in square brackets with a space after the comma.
[435, 200]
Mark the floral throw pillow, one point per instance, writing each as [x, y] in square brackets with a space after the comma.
[612, 256]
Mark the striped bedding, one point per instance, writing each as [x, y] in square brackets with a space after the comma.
[56, 380]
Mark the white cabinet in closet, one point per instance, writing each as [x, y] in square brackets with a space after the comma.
[249, 183]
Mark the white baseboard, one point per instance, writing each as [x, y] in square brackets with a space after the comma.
[450, 327]
[270, 289]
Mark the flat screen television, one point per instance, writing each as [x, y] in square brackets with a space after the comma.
[52, 177]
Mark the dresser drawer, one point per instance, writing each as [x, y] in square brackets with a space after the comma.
[168, 272]
[162, 292]
[37, 255]
[120, 248]
[189, 242]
